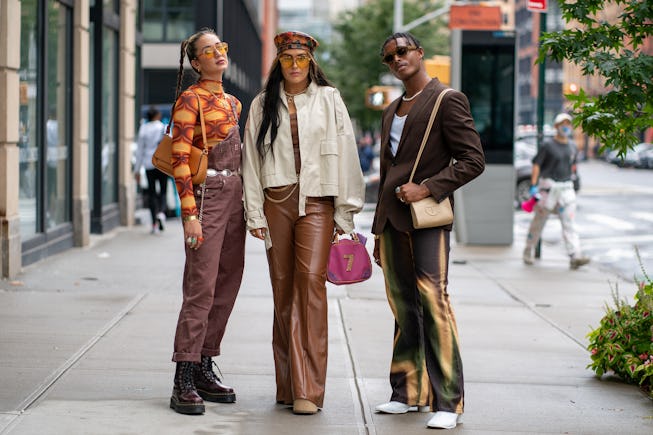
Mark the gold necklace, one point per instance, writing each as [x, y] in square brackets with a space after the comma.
[291, 97]
[225, 105]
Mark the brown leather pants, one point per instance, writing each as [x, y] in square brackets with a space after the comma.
[298, 260]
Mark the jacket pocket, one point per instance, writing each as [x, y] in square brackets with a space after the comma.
[268, 169]
[329, 162]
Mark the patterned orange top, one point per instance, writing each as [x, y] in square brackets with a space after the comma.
[187, 131]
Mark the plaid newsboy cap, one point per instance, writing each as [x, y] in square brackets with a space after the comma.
[294, 39]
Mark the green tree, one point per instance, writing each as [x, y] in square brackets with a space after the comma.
[354, 62]
[612, 51]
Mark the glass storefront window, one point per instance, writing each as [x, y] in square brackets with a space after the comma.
[28, 140]
[57, 135]
[109, 116]
[45, 104]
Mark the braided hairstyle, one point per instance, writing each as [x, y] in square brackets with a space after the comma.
[407, 36]
[190, 51]
[272, 101]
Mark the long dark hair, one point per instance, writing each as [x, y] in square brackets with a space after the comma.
[272, 101]
[189, 50]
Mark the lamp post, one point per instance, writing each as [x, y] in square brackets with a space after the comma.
[398, 25]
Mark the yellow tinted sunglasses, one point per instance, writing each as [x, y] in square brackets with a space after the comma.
[287, 61]
[221, 48]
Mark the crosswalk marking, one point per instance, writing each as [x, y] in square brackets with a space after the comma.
[643, 215]
[616, 223]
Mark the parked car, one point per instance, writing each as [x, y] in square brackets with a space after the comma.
[646, 158]
[643, 155]
[635, 157]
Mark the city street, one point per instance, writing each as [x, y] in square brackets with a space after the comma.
[615, 214]
[86, 338]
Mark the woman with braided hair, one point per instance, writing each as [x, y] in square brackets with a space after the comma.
[213, 220]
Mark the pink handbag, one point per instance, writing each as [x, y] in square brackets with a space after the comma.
[349, 261]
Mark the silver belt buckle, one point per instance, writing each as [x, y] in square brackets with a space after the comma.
[227, 172]
[211, 172]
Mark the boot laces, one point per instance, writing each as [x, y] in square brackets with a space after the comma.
[186, 376]
[207, 369]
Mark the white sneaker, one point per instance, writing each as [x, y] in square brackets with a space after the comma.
[443, 420]
[394, 407]
[528, 256]
[161, 219]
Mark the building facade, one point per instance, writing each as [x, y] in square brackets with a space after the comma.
[527, 25]
[74, 78]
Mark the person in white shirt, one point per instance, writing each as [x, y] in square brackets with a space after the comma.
[149, 136]
[552, 184]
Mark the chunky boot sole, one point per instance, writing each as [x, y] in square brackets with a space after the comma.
[186, 408]
[218, 398]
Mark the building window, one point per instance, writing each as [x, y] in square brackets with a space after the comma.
[104, 99]
[167, 20]
[109, 84]
[45, 116]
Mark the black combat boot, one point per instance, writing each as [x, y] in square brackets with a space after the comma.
[209, 386]
[185, 399]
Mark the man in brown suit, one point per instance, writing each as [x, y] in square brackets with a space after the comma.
[426, 370]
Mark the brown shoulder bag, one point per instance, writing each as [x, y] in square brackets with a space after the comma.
[198, 159]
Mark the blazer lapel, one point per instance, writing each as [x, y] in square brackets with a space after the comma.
[416, 112]
[388, 116]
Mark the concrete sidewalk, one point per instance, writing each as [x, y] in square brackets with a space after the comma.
[86, 340]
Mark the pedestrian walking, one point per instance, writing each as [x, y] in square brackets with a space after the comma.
[552, 185]
[426, 369]
[213, 221]
[302, 178]
[149, 136]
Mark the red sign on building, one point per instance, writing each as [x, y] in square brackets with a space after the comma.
[537, 5]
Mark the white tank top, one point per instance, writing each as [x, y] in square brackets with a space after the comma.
[396, 129]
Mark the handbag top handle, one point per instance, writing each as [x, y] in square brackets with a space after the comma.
[428, 131]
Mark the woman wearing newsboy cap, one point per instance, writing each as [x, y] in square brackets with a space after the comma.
[301, 180]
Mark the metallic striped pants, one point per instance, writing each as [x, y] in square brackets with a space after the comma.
[426, 364]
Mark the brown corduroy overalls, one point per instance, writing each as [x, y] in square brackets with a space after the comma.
[213, 273]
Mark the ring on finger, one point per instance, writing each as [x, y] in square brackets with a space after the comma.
[189, 240]
[397, 189]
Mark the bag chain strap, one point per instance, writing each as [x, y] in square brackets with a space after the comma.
[205, 151]
[203, 185]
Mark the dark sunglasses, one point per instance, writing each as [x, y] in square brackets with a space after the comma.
[388, 58]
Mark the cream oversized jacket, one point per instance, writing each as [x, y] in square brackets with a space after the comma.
[329, 157]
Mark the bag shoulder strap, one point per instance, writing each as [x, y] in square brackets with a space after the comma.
[434, 112]
[199, 105]
[234, 105]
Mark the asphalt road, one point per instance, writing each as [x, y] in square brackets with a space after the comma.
[614, 219]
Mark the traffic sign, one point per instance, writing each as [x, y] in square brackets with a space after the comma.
[537, 5]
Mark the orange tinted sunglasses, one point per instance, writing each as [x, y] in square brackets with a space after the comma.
[221, 48]
[287, 61]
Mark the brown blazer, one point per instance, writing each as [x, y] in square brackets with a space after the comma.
[452, 135]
